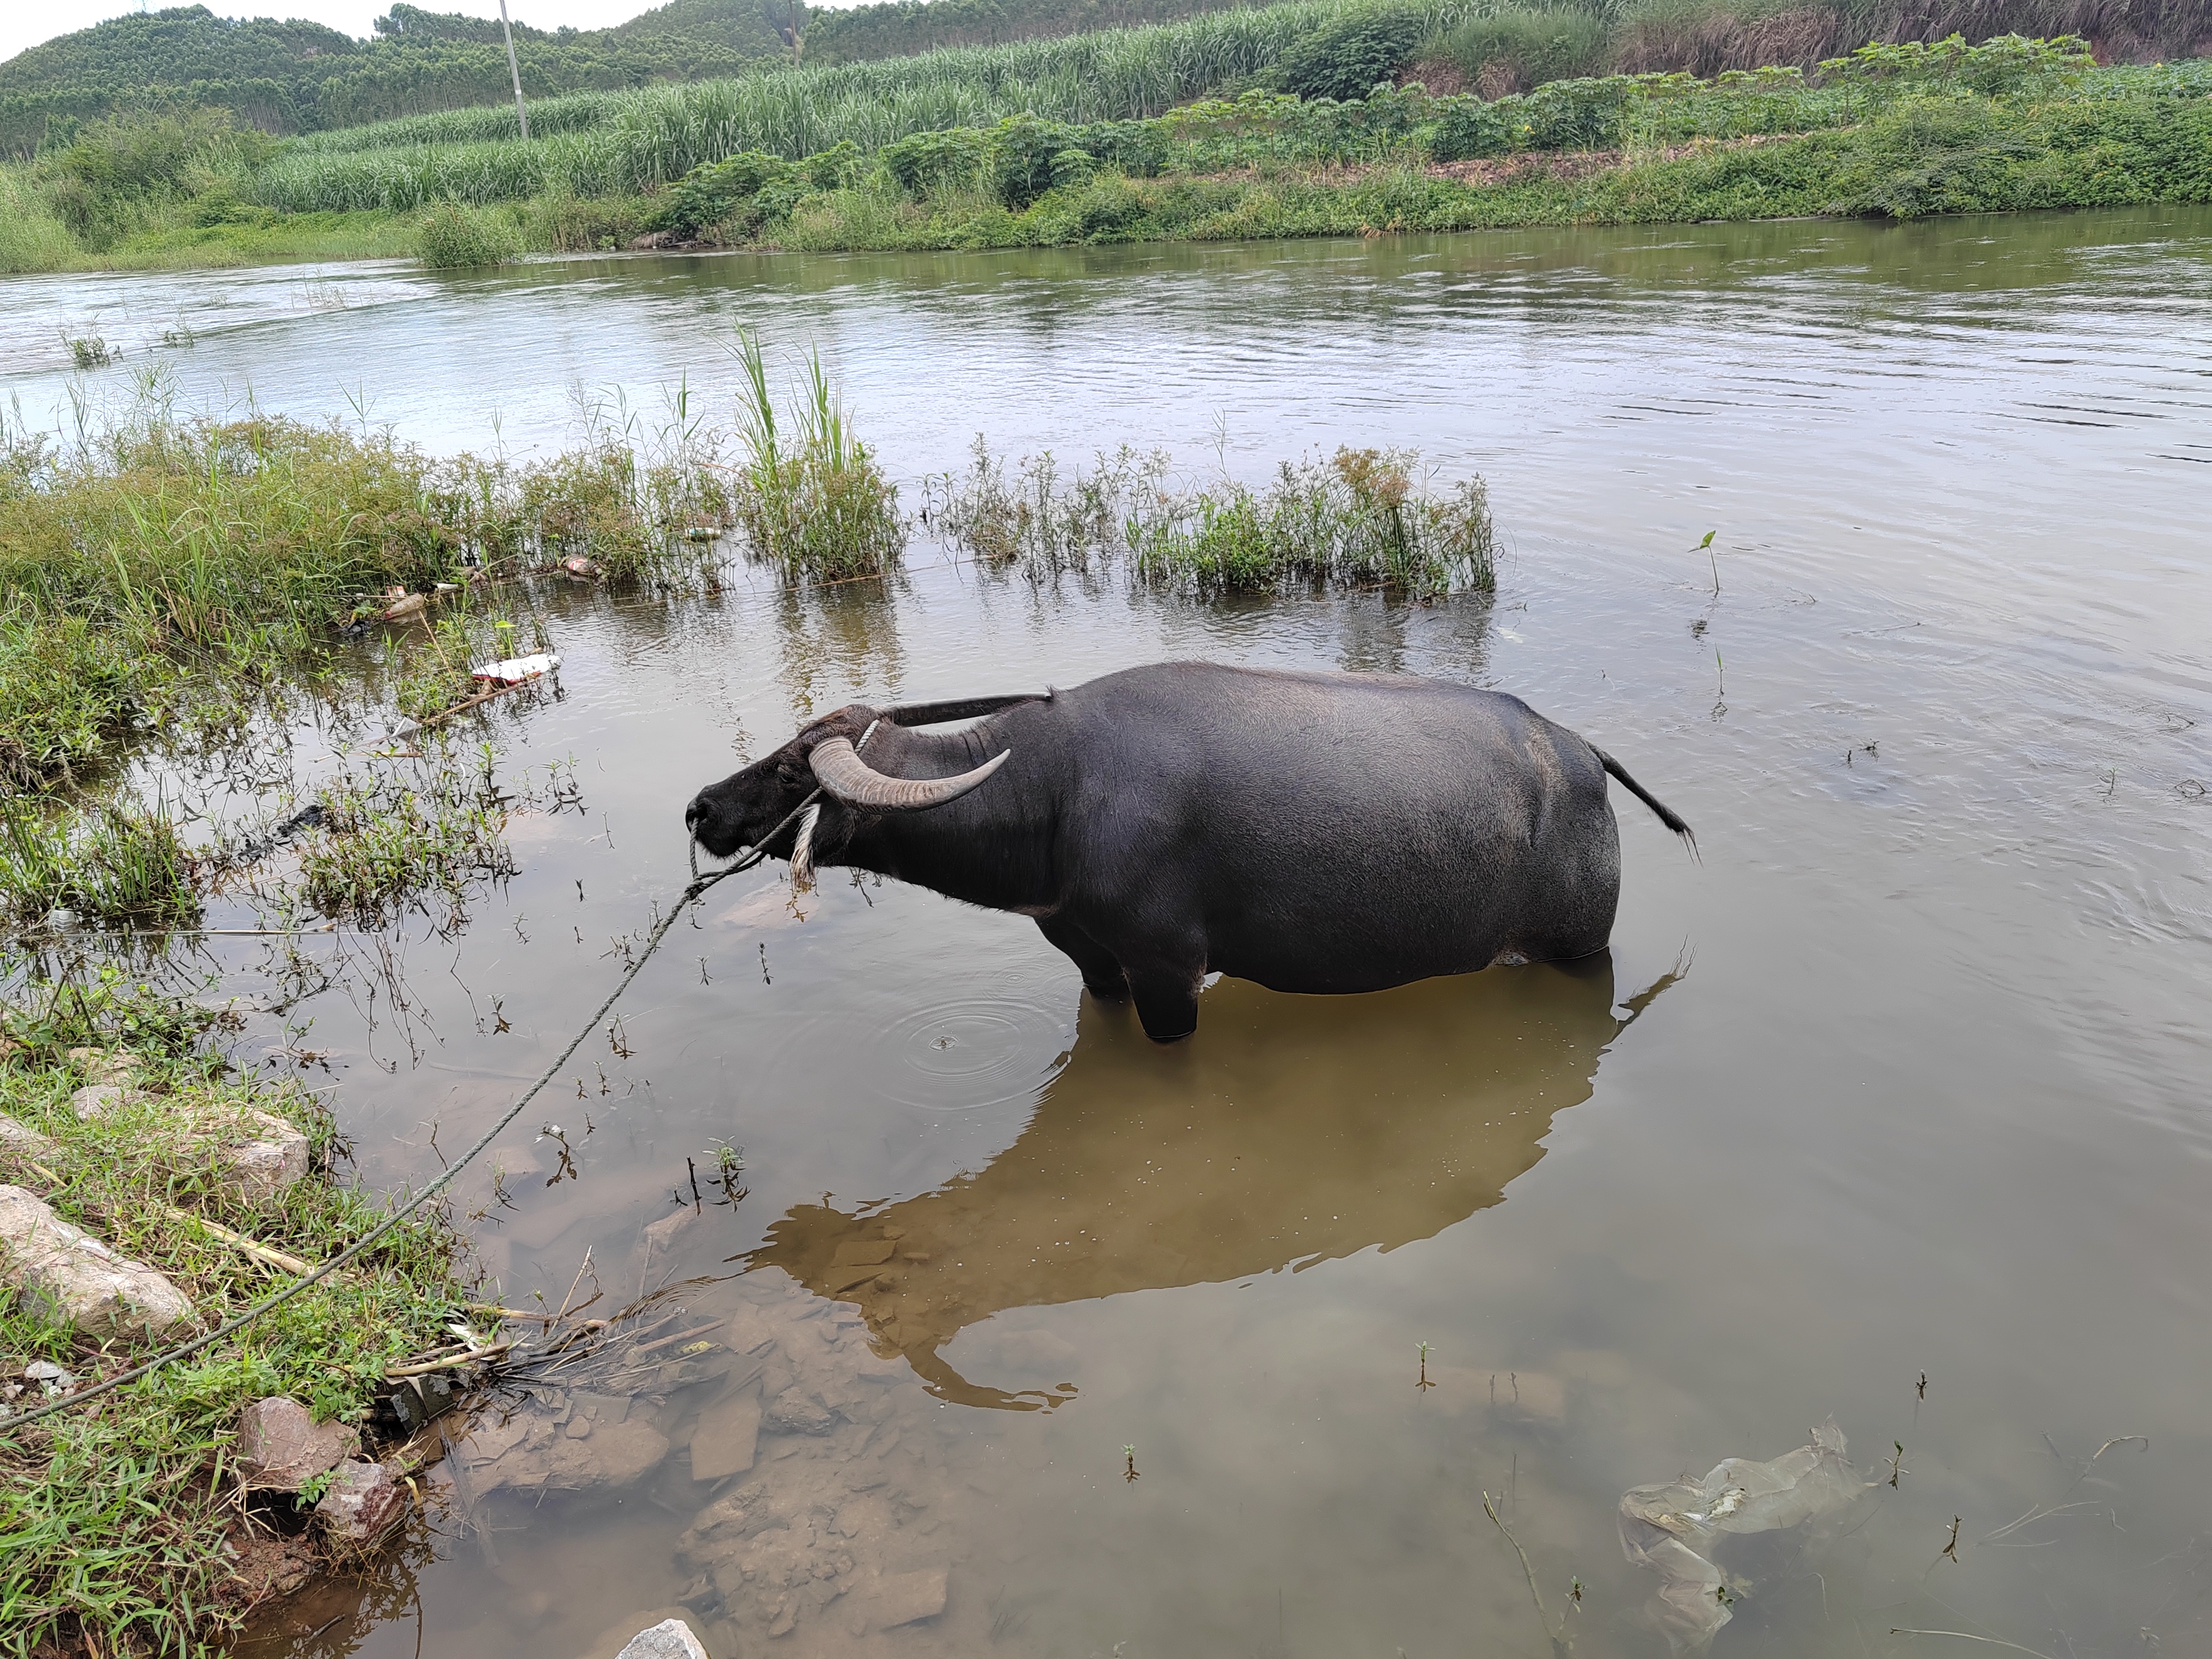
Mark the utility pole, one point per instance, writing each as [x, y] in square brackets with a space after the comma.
[514, 68]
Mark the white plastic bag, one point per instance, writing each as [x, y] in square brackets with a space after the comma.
[515, 669]
[1679, 1530]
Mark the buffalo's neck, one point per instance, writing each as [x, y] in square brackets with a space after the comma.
[992, 846]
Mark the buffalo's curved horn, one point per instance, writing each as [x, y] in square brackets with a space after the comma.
[853, 781]
[958, 709]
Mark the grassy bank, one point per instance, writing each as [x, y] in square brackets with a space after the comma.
[121, 1530]
[1897, 130]
[153, 568]
[1923, 158]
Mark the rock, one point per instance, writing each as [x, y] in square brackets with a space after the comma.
[904, 1598]
[280, 1447]
[97, 1100]
[362, 1504]
[66, 1275]
[263, 1566]
[20, 1141]
[671, 1639]
[544, 1455]
[796, 1411]
[103, 1065]
[658, 1238]
[269, 1164]
[726, 1437]
[406, 605]
[649, 241]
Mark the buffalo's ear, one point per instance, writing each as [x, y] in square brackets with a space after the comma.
[959, 708]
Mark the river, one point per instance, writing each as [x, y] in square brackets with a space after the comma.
[1893, 1107]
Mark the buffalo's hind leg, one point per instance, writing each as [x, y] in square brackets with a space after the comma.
[1102, 972]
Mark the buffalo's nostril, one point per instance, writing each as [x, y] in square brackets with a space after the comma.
[692, 815]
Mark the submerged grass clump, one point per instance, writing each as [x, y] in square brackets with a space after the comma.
[116, 864]
[117, 1520]
[1359, 518]
[809, 496]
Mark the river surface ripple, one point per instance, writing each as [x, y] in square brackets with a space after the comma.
[1921, 1090]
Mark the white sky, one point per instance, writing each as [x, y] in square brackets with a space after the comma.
[24, 23]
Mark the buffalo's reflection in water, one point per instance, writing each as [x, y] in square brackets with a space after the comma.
[1290, 1130]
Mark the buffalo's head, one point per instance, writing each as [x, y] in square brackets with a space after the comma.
[828, 760]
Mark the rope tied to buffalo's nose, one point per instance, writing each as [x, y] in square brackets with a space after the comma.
[802, 850]
[376, 1234]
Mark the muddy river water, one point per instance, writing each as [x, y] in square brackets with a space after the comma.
[1893, 1108]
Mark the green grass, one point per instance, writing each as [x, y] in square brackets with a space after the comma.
[454, 236]
[113, 1521]
[163, 562]
[116, 864]
[1956, 154]
[810, 497]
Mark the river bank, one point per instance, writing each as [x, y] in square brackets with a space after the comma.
[1890, 133]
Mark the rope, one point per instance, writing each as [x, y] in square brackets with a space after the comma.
[361, 1246]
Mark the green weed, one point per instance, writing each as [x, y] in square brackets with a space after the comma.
[1359, 518]
[116, 864]
[809, 496]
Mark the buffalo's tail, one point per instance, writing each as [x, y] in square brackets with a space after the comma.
[1667, 815]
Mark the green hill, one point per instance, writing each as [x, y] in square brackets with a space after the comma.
[295, 77]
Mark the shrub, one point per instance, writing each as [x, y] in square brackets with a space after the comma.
[455, 237]
[953, 159]
[1348, 55]
[715, 192]
[1025, 159]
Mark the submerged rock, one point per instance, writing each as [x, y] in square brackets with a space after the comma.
[796, 1411]
[903, 1598]
[362, 1504]
[671, 1639]
[568, 1450]
[280, 1447]
[727, 1438]
[66, 1275]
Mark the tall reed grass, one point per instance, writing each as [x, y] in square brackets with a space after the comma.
[630, 143]
[809, 496]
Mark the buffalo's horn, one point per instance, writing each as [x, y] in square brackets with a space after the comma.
[853, 781]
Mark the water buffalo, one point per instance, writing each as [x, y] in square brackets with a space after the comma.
[1310, 832]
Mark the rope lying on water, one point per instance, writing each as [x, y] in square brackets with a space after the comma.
[361, 1246]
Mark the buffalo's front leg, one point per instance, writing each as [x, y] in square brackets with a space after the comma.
[1167, 1005]
[1102, 974]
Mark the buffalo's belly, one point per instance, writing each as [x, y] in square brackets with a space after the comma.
[1326, 954]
